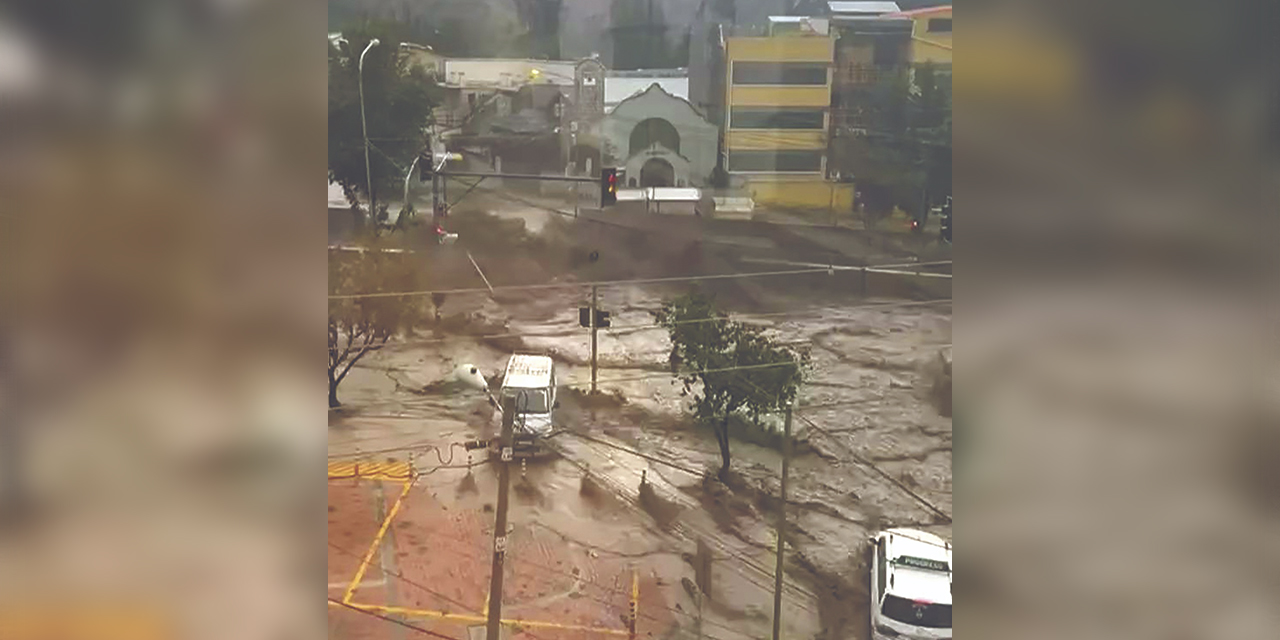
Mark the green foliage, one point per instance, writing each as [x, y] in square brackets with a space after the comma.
[641, 37]
[361, 325]
[453, 28]
[907, 152]
[397, 100]
[729, 362]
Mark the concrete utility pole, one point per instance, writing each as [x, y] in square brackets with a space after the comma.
[782, 526]
[500, 521]
[593, 338]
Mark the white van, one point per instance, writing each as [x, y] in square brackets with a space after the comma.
[910, 586]
[531, 381]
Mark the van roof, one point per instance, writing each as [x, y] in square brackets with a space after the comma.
[911, 579]
[526, 371]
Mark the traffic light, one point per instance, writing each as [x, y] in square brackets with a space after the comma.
[608, 186]
[945, 230]
[425, 170]
[584, 317]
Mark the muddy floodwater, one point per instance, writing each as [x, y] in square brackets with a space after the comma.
[630, 491]
[874, 450]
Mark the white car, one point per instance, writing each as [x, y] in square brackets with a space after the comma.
[910, 586]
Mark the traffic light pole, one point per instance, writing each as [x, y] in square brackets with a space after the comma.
[594, 313]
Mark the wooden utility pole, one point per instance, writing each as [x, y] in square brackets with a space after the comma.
[593, 338]
[500, 521]
[782, 526]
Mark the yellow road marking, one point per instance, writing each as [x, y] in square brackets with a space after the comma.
[369, 469]
[377, 540]
[459, 617]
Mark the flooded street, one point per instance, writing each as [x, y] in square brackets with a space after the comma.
[873, 449]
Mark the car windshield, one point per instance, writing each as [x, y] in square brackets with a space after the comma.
[533, 401]
[920, 614]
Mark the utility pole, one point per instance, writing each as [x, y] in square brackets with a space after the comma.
[500, 521]
[593, 337]
[782, 526]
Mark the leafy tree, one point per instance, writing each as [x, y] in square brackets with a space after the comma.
[542, 19]
[639, 32]
[905, 158]
[358, 326]
[730, 362]
[398, 100]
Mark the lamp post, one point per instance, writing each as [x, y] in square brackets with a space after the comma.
[364, 128]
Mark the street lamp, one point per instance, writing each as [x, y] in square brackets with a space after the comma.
[364, 128]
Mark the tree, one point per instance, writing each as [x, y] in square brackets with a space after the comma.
[398, 100]
[358, 326]
[639, 32]
[542, 21]
[738, 369]
[904, 159]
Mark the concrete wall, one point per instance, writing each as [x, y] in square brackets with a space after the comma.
[506, 73]
[926, 46]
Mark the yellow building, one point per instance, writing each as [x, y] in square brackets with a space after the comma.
[930, 35]
[778, 98]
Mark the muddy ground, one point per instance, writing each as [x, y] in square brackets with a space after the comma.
[873, 443]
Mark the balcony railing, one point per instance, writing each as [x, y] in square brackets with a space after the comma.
[862, 74]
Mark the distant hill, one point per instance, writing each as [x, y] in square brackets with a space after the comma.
[492, 28]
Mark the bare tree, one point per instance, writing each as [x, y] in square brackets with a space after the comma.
[361, 324]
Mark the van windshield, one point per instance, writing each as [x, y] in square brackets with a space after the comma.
[919, 614]
[534, 400]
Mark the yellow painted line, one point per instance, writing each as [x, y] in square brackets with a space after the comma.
[426, 613]
[377, 540]
[398, 470]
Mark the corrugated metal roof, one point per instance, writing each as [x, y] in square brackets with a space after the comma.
[865, 7]
[618, 89]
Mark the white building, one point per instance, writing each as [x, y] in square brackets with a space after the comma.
[659, 139]
[618, 88]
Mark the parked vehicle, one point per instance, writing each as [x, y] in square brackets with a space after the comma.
[910, 586]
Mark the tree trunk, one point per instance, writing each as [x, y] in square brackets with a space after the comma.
[333, 391]
[722, 437]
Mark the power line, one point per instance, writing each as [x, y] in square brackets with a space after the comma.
[392, 620]
[402, 577]
[868, 464]
[572, 285]
[697, 532]
[642, 327]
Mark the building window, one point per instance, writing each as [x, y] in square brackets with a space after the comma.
[939, 25]
[796, 73]
[776, 161]
[776, 118]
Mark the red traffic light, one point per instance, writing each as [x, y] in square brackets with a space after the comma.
[608, 186]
